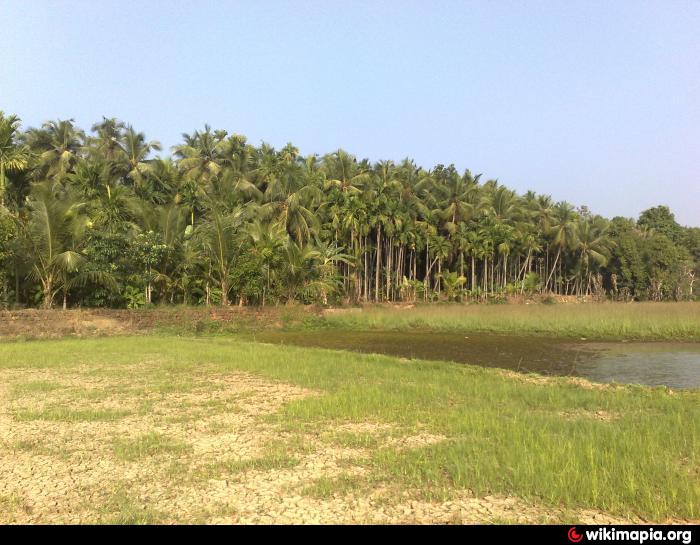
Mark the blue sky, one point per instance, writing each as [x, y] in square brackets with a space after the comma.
[594, 102]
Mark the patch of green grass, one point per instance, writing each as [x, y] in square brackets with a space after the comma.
[146, 407]
[268, 462]
[218, 427]
[36, 447]
[276, 455]
[187, 417]
[291, 444]
[35, 387]
[352, 440]
[218, 406]
[504, 435]
[90, 394]
[63, 414]
[12, 503]
[245, 320]
[235, 466]
[329, 487]
[150, 444]
[177, 470]
[656, 321]
[553, 463]
[173, 387]
[121, 508]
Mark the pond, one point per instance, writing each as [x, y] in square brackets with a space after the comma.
[672, 364]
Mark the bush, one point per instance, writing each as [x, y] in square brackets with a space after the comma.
[135, 298]
[531, 282]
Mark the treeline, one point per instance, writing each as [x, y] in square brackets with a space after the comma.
[95, 220]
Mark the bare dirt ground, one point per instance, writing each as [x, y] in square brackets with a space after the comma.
[55, 323]
[106, 445]
[37, 323]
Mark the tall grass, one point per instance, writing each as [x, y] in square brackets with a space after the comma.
[653, 321]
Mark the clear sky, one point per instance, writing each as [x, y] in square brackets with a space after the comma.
[594, 102]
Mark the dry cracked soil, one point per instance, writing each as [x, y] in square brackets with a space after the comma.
[89, 445]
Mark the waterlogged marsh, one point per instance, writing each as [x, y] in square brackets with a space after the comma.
[676, 365]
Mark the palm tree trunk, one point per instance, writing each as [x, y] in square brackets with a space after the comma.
[17, 297]
[473, 273]
[365, 274]
[389, 256]
[561, 275]
[426, 280]
[224, 293]
[48, 292]
[553, 268]
[378, 263]
[522, 272]
[3, 184]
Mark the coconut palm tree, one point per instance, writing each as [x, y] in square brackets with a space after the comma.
[453, 283]
[592, 246]
[55, 226]
[329, 256]
[202, 156]
[297, 274]
[292, 202]
[160, 181]
[14, 157]
[135, 156]
[343, 172]
[58, 145]
[457, 195]
[563, 232]
[503, 206]
[268, 241]
[231, 189]
[220, 240]
[529, 242]
[401, 229]
[107, 145]
[188, 266]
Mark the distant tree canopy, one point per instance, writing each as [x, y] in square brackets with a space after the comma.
[662, 221]
[94, 219]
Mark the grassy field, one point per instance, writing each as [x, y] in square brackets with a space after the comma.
[177, 429]
[652, 321]
[604, 321]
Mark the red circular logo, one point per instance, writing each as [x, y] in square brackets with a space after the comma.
[574, 536]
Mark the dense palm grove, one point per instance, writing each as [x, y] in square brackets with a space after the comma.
[95, 220]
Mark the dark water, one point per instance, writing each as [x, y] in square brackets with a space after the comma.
[676, 365]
